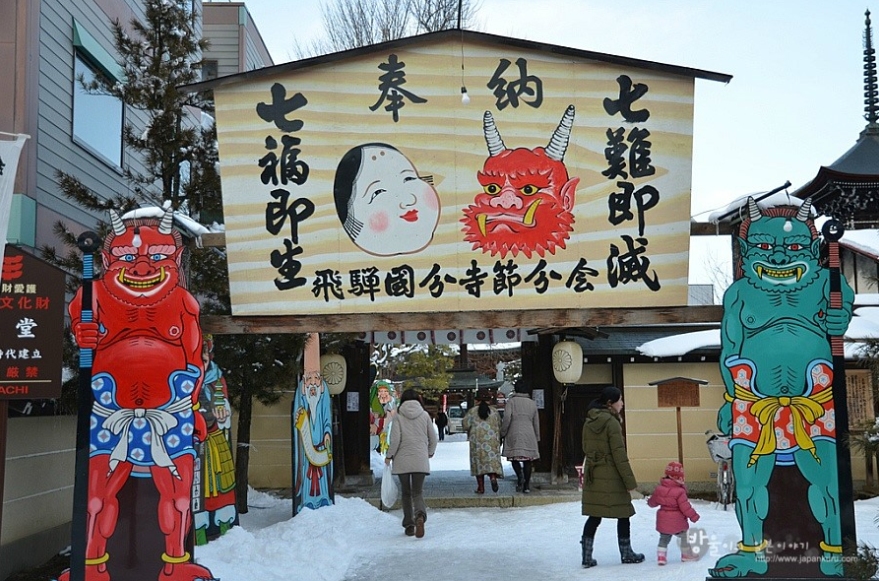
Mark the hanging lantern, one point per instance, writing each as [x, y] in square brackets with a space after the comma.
[333, 369]
[567, 361]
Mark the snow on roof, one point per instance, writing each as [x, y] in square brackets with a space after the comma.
[182, 221]
[866, 241]
[864, 325]
[680, 344]
[866, 299]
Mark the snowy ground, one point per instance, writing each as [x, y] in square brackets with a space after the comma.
[353, 541]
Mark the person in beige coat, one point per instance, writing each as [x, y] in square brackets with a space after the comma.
[520, 432]
[413, 443]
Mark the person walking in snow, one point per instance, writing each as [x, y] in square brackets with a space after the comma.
[520, 432]
[674, 510]
[442, 420]
[483, 427]
[413, 442]
[607, 476]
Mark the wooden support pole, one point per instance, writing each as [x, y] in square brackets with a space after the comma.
[680, 436]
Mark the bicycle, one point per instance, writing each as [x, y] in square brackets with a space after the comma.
[718, 448]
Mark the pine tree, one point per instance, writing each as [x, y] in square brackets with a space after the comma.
[178, 163]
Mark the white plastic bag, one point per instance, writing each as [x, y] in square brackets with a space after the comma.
[390, 491]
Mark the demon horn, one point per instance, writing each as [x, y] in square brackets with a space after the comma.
[560, 137]
[167, 220]
[753, 210]
[805, 211]
[492, 135]
[116, 221]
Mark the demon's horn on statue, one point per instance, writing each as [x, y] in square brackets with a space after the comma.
[147, 374]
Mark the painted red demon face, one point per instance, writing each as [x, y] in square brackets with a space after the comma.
[527, 198]
[142, 260]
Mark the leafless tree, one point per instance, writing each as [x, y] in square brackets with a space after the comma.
[433, 15]
[354, 23]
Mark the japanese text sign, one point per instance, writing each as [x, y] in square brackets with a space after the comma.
[365, 185]
[31, 327]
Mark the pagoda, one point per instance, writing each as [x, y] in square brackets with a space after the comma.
[848, 189]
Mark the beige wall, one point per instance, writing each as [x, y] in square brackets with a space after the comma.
[38, 492]
[651, 431]
[270, 453]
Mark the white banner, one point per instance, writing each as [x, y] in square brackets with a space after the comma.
[9, 153]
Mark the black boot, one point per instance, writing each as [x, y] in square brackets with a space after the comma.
[588, 561]
[627, 555]
[517, 468]
[526, 485]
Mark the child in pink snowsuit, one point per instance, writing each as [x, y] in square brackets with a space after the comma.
[674, 510]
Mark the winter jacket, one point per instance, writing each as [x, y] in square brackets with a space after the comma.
[485, 442]
[413, 439]
[607, 475]
[674, 507]
[521, 427]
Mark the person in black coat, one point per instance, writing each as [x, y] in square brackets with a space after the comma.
[442, 420]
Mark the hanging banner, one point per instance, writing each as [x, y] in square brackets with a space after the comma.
[9, 154]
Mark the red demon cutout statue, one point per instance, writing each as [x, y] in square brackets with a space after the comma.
[146, 378]
[527, 198]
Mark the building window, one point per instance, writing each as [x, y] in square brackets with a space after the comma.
[209, 70]
[97, 119]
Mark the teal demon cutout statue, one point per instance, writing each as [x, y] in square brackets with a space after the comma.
[777, 367]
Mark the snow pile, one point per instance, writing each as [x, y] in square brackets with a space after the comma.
[353, 541]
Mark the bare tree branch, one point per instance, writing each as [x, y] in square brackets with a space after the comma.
[354, 23]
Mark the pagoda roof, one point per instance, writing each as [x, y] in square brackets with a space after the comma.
[847, 188]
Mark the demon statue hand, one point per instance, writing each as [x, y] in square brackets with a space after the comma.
[777, 367]
[147, 374]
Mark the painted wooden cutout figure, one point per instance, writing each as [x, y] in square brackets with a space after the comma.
[312, 438]
[146, 379]
[382, 408]
[527, 199]
[217, 512]
[777, 367]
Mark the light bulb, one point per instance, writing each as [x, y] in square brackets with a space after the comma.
[465, 98]
[136, 240]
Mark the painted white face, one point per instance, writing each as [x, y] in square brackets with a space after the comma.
[399, 211]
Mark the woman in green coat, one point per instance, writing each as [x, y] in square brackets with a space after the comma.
[608, 477]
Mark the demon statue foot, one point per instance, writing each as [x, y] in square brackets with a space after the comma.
[92, 573]
[740, 564]
[185, 572]
[831, 564]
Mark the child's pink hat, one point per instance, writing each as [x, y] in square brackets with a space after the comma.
[675, 471]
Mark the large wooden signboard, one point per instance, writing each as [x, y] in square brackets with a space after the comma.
[31, 323]
[365, 185]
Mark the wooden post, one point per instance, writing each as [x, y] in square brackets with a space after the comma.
[678, 392]
[88, 243]
[833, 231]
[4, 414]
[680, 436]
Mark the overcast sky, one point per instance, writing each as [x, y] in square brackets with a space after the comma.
[794, 103]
